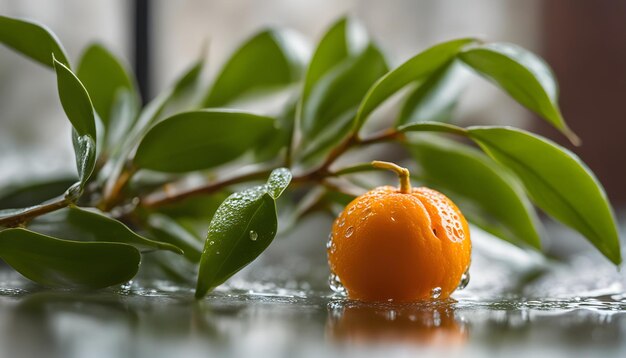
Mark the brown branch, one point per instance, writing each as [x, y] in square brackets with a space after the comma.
[208, 188]
[114, 196]
[384, 136]
[315, 175]
[33, 212]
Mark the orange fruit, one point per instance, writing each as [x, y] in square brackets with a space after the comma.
[399, 244]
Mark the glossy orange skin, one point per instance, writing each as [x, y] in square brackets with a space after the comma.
[387, 245]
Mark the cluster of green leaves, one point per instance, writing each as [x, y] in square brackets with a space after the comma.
[120, 208]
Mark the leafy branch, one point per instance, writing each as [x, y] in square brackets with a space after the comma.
[147, 177]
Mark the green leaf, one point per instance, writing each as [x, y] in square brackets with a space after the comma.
[557, 181]
[162, 265]
[151, 113]
[29, 193]
[200, 140]
[60, 263]
[278, 181]
[340, 91]
[242, 228]
[183, 94]
[436, 98]
[280, 138]
[32, 40]
[103, 75]
[415, 69]
[85, 225]
[166, 229]
[85, 152]
[197, 207]
[329, 137]
[432, 127]
[487, 194]
[148, 116]
[269, 60]
[524, 76]
[75, 101]
[356, 168]
[123, 114]
[328, 114]
[345, 39]
[189, 79]
[193, 213]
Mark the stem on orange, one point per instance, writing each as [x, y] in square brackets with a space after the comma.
[403, 174]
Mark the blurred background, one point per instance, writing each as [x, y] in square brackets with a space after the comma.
[584, 42]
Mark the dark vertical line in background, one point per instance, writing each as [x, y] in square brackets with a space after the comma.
[142, 64]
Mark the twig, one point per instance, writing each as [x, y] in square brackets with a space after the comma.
[113, 198]
[205, 189]
[31, 213]
[315, 175]
[384, 136]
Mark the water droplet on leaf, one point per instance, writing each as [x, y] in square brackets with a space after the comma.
[253, 235]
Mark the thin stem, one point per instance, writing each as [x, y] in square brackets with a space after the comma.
[358, 168]
[114, 197]
[403, 174]
[205, 189]
[316, 175]
[355, 141]
[385, 136]
[343, 147]
[33, 212]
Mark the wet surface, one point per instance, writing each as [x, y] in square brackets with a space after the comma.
[517, 304]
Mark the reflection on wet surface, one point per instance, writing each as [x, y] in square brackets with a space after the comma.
[425, 324]
[517, 304]
[155, 322]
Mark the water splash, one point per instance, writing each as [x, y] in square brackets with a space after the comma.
[329, 242]
[465, 279]
[435, 292]
[335, 284]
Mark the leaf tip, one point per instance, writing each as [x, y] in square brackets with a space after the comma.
[615, 257]
[535, 244]
[278, 181]
[173, 248]
[572, 137]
